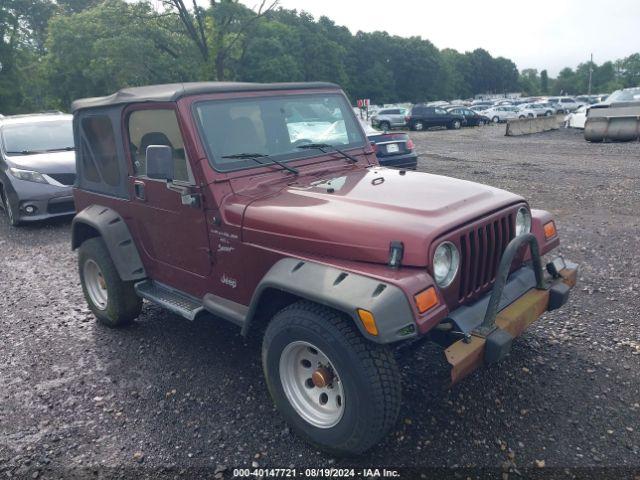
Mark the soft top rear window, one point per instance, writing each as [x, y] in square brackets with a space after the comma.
[274, 126]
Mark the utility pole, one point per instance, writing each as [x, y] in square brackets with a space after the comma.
[590, 73]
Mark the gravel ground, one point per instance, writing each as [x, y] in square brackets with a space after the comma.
[166, 396]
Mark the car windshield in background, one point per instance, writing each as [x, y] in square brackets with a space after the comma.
[38, 137]
[626, 95]
[275, 126]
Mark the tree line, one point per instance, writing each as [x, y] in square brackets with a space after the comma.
[53, 51]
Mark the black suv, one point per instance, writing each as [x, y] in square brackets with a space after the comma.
[422, 117]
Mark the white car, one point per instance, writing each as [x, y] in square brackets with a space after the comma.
[525, 112]
[578, 118]
[564, 104]
[501, 114]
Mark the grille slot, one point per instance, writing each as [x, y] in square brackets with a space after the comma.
[481, 249]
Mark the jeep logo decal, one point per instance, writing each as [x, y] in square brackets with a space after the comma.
[230, 282]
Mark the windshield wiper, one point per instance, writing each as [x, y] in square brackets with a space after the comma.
[36, 152]
[24, 152]
[322, 146]
[61, 149]
[256, 156]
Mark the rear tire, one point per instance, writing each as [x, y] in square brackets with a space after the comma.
[456, 124]
[362, 396]
[385, 125]
[495, 119]
[113, 301]
[418, 126]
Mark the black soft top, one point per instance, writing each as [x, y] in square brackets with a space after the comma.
[173, 91]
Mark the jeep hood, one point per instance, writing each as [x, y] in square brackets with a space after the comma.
[356, 215]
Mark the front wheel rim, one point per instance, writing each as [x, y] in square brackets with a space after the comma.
[312, 384]
[95, 284]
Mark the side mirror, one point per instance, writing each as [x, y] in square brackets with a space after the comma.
[160, 162]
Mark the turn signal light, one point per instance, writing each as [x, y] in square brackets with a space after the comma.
[549, 230]
[426, 299]
[369, 322]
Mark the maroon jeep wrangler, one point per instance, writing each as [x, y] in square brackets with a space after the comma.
[264, 205]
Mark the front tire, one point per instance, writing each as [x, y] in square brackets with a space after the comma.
[9, 209]
[495, 119]
[113, 301]
[456, 124]
[385, 126]
[336, 389]
[418, 126]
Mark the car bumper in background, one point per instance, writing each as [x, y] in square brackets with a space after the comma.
[407, 161]
[37, 201]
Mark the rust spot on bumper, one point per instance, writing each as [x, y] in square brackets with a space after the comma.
[464, 358]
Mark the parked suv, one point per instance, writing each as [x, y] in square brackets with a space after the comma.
[389, 118]
[421, 118]
[264, 205]
[37, 167]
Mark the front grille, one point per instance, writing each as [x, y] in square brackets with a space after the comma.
[64, 178]
[481, 248]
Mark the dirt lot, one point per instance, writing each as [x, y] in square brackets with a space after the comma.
[166, 395]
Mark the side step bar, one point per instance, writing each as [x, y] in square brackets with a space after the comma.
[169, 298]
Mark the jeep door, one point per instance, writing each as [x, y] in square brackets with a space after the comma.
[173, 233]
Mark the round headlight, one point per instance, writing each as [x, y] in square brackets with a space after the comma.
[523, 221]
[446, 260]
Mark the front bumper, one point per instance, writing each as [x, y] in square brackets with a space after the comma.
[489, 326]
[37, 201]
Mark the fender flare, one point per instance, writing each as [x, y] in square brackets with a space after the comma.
[98, 220]
[344, 291]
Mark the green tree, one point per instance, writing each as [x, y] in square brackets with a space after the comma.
[630, 70]
[114, 45]
[544, 82]
[22, 36]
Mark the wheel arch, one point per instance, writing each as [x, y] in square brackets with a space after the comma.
[292, 279]
[100, 221]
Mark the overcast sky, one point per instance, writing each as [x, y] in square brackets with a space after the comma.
[538, 34]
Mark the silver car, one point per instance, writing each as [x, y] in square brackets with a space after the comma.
[389, 118]
[37, 167]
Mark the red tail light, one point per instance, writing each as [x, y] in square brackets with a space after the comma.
[407, 118]
[374, 146]
[410, 144]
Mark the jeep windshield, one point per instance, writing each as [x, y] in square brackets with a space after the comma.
[275, 127]
[37, 137]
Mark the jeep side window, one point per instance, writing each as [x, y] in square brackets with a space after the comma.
[157, 127]
[100, 157]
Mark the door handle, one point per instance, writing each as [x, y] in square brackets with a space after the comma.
[139, 190]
